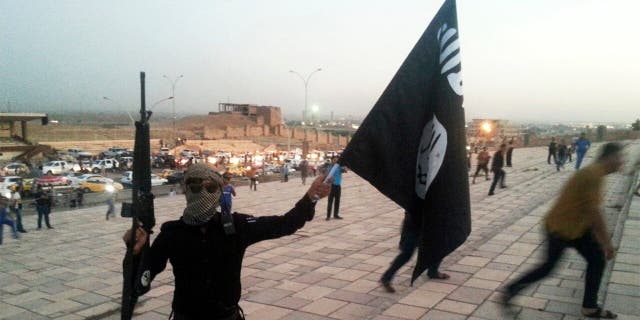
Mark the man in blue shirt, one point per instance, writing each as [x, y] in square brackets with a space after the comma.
[581, 145]
[336, 188]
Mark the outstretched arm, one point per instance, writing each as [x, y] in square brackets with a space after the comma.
[270, 227]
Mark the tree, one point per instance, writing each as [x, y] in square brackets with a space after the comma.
[636, 125]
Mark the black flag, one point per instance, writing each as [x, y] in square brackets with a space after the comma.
[412, 145]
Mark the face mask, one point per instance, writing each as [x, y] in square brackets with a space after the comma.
[203, 194]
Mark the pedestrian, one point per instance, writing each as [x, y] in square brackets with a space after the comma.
[253, 179]
[228, 192]
[570, 151]
[43, 206]
[409, 237]
[111, 208]
[552, 150]
[561, 156]
[576, 221]
[336, 190]
[207, 257]
[4, 219]
[16, 207]
[304, 170]
[482, 163]
[582, 146]
[509, 153]
[79, 197]
[496, 167]
[285, 171]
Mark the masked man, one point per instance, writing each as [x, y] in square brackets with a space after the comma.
[206, 251]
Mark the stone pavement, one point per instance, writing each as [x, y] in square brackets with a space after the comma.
[330, 269]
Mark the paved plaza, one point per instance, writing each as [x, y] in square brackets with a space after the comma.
[330, 269]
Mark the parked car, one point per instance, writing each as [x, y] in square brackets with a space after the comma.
[10, 182]
[77, 180]
[165, 173]
[16, 168]
[56, 167]
[157, 181]
[100, 184]
[51, 180]
[164, 151]
[127, 179]
[78, 153]
[114, 152]
[188, 153]
[176, 177]
[106, 164]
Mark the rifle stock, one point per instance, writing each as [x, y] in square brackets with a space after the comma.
[136, 275]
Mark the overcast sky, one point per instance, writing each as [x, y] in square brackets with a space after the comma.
[568, 60]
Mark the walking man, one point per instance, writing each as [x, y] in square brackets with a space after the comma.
[16, 206]
[43, 206]
[576, 221]
[552, 151]
[253, 178]
[228, 192]
[4, 219]
[562, 155]
[304, 170]
[509, 152]
[336, 190]
[409, 237]
[582, 146]
[496, 167]
[111, 208]
[482, 164]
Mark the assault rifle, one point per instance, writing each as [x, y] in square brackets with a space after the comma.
[136, 274]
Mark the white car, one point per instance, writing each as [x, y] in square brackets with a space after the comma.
[9, 181]
[157, 181]
[56, 167]
[106, 164]
[127, 179]
[76, 180]
[16, 168]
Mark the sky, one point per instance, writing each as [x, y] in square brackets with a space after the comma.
[542, 60]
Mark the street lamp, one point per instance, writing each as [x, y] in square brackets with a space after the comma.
[306, 86]
[160, 101]
[173, 94]
[120, 106]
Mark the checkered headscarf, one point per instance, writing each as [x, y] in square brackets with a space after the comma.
[201, 206]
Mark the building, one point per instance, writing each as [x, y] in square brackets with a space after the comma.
[492, 131]
[261, 115]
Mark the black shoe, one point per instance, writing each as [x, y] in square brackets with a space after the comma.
[22, 231]
[503, 187]
[328, 218]
[387, 286]
[337, 217]
[49, 227]
[491, 193]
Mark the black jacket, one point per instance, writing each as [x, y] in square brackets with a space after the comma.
[206, 265]
[498, 161]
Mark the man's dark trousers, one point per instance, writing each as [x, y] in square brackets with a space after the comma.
[334, 195]
[551, 154]
[588, 248]
[498, 175]
[407, 246]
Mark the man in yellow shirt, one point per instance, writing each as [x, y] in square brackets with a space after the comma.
[576, 221]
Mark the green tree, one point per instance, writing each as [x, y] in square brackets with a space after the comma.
[636, 125]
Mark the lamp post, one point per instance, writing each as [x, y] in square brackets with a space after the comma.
[306, 87]
[173, 94]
